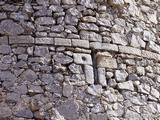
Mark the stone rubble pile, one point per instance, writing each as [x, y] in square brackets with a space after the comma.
[80, 60]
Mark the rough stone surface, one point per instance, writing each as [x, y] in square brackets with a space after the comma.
[9, 27]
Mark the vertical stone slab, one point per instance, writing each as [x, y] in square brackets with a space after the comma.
[101, 76]
[89, 74]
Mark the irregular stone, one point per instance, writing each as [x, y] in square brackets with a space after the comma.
[67, 90]
[28, 8]
[9, 27]
[19, 89]
[35, 89]
[152, 16]
[20, 110]
[63, 59]
[155, 93]
[4, 40]
[89, 19]
[136, 41]
[117, 3]
[119, 39]
[69, 109]
[121, 75]
[88, 26]
[106, 62]
[117, 29]
[29, 75]
[12, 97]
[128, 85]
[19, 16]
[75, 68]
[57, 28]
[47, 78]
[5, 49]
[151, 46]
[41, 51]
[148, 36]
[4, 66]
[104, 22]
[68, 2]
[112, 83]
[42, 2]
[62, 41]
[81, 58]
[27, 39]
[140, 70]
[129, 50]
[45, 21]
[150, 55]
[3, 15]
[71, 20]
[98, 108]
[91, 36]
[11, 8]
[95, 90]
[80, 43]
[99, 116]
[144, 88]
[102, 77]
[7, 75]
[89, 75]
[43, 12]
[5, 111]
[130, 115]
[54, 88]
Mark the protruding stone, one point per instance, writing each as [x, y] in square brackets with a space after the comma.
[29, 75]
[128, 85]
[121, 75]
[106, 62]
[89, 75]
[61, 58]
[81, 58]
[9, 27]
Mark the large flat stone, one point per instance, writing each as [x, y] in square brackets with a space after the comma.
[62, 42]
[9, 27]
[106, 62]
[81, 58]
[44, 40]
[21, 39]
[129, 50]
[80, 43]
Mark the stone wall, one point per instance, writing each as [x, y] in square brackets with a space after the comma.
[79, 60]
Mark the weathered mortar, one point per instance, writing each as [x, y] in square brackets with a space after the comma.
[80, 60]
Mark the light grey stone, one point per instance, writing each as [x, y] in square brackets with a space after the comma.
[151, 46]
[102, 76]
[5, 111]
[117, 3]
[5, 49]
[63, 59]
[35, 89]
[57, 28]
[69, 2]
[62, 42]
[121, 75]
[67, 90]
[129, 50]
[104, 22]
[130, 115]
[155, 93]
[80, 43]
[118, 38]
[91, 36]
[99, 116]
[10, 7]
[140, 70]
[109, 47]
[9, 27]
[44, 40]
[112, 83]
[81, 58]
[136, 41]
[28, 8]
[98, 108]
[89, 74]
[88, 26]
[89, 19]
[75, 68]
[106, 62]
[69, 109]
[28, 75]
[148, 36]
[3, 15]
[45, 21]
[95, 90]
[43, 12]
[26, 39]
[128, 85]
[41, 51]
[71, 20]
